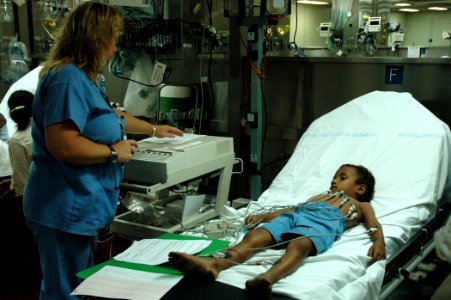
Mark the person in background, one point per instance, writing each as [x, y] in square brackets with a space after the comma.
[23, 249]
[6, 200]
[3, 128]
[29, 83]
[19, 144]
[79, 148]
[5, 164]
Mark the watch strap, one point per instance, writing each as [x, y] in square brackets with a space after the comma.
[113, 155]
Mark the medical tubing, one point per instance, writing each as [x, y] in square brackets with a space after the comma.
[305, 207]
[301, 237]
[221, 253]
[198, 228]
[112, 71]
[264, 210]
[224, 255]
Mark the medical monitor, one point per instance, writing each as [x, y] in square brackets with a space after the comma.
[374, 24]
[399, 38]
[324, 29]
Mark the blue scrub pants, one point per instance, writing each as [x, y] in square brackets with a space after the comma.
[62, 255]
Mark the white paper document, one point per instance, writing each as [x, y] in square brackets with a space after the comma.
[121, 283]
[177, 140]
[156, 251]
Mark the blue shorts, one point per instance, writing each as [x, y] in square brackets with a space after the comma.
[320, 222]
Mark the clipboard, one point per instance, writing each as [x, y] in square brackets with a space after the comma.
[216, 245]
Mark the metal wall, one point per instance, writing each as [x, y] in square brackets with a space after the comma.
[336, 81]
[299, 90]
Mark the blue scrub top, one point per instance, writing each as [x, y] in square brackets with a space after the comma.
[79, 199]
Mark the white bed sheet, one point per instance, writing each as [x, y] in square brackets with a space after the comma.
[407, 149]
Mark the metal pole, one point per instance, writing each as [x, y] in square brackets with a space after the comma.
[257, 109]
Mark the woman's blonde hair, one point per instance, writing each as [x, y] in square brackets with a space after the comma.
[85, 37]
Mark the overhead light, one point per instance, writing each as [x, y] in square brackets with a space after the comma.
[403, 4]
[437, 8]
[409, 9]
[275, 8]
[6, 11]
[313, 2]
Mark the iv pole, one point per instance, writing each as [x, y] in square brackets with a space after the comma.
[255, 116]
[256, 53]
[257, 107]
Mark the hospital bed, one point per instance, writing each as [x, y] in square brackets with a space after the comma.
[407, 149]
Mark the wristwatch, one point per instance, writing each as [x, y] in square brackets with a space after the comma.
[113, 155]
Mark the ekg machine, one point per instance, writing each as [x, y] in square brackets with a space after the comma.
[165, 181]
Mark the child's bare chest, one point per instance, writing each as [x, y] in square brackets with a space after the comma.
[348, 207]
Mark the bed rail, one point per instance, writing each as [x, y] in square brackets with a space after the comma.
[412, 253]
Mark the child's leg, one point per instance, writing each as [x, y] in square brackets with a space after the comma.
[209, 268]
[297, 251]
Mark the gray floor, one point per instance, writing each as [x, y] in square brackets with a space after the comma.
[423, 281]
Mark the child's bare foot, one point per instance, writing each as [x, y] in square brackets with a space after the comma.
[193, 265]
[260, 287]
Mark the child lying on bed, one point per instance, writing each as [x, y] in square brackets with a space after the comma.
[309, 228]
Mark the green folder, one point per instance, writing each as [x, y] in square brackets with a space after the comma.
[216, 245]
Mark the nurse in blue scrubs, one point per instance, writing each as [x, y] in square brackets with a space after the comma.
[79, 148]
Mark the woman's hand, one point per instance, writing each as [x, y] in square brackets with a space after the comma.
[162, 131]
[138, 126]
[125, 150]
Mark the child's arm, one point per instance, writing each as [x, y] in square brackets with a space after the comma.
[377, 250]
[263, 218]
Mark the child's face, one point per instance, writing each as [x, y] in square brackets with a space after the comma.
[345, 180]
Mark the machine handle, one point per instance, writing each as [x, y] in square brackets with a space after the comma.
[135, 188]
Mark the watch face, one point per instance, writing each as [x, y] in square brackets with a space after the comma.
[113, 154]
[113, 157]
